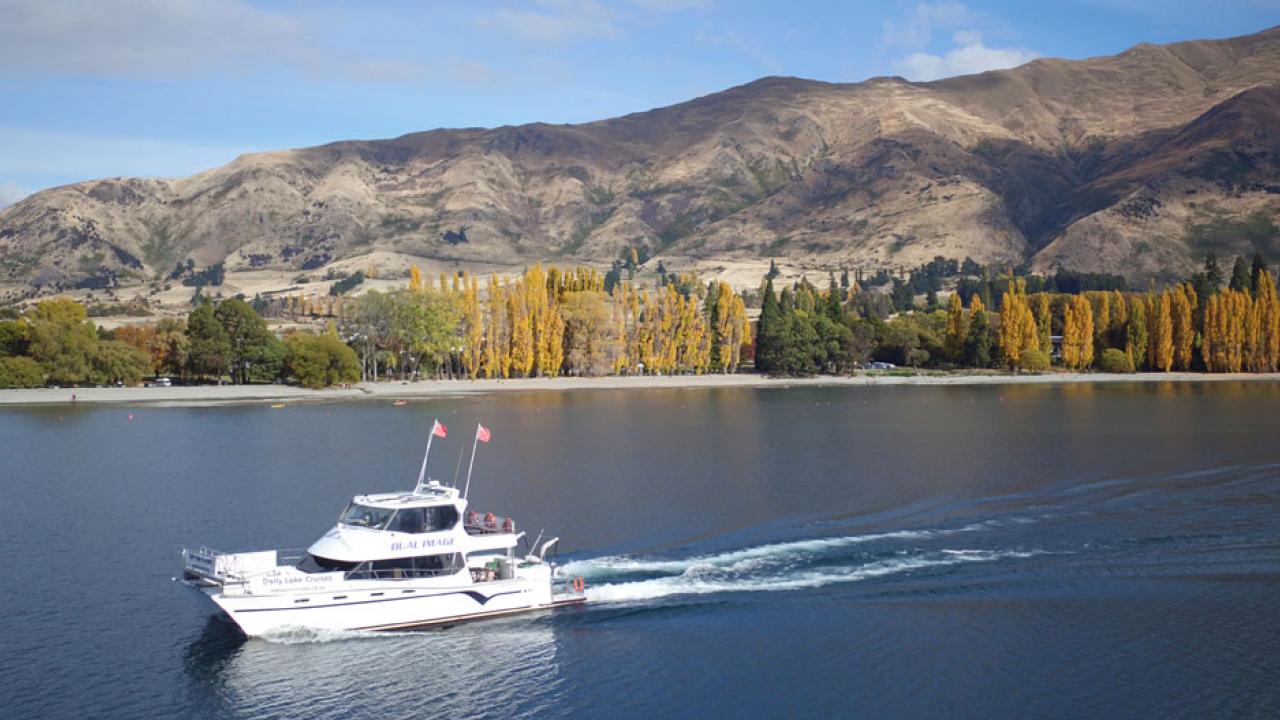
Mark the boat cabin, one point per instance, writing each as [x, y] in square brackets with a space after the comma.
[418, 534]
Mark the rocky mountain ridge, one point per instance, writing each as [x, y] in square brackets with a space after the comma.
[1135, 163]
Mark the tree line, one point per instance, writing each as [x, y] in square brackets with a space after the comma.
[55, 343]
[1194, 325]
[546, 323]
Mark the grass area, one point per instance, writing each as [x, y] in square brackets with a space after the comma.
[1220, 233]
[160, 249]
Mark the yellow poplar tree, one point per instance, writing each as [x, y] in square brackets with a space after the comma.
[1101, 306]
[473, 352]
[620, 341]
[1237, 312]
[1044, 322]
[554, 344]
[495, 342]
[1017, 325]
[1183, 329]
[667, 341]
[1210, 349]
[522, 351]
[957, 328]
[1267, 299]
[532, 285]
[1254, 342]
[1161, 329]
[1077, 333]
[741, 332]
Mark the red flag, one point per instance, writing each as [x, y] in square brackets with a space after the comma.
[482, 433]
[439, 430]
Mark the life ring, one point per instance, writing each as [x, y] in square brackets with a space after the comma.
[579, 584]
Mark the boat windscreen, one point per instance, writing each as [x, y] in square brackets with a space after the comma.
[366, 516]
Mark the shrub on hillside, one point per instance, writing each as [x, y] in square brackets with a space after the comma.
[1115, 361]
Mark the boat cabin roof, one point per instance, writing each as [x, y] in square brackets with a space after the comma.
[429, 494]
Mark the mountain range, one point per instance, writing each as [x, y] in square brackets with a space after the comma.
[1136, 164]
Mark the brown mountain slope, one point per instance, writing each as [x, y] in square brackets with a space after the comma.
[1132, 163]
[1170, 196]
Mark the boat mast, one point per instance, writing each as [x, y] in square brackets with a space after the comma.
[436, 429]
[481, 434]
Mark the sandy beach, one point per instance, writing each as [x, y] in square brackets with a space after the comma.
[238, 394]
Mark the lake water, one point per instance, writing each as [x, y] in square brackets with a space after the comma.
[1023, 551]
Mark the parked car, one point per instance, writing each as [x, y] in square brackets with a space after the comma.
[160, 382]
[877, 365]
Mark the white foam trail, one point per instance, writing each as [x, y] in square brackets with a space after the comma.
[619, 565]
[704, 579]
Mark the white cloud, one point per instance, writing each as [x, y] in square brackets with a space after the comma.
[146, 37]
[929, 57]
[556, 21]
[915, 30]
[10, 193]
[171, 38]
[969, 55]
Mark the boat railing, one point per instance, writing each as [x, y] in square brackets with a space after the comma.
[487, 524]
[221, 566]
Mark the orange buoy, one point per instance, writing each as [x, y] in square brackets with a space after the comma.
[579, 584]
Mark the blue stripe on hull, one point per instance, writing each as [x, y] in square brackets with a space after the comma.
[478, 597]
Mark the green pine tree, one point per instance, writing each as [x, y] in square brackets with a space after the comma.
[835, 309]
[1258, 267]
[1212, 272]
[767, 329]
[979, 341]
[1240, 281]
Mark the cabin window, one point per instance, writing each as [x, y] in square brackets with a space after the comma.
[366, 516]
[423, 520]
[413, 567]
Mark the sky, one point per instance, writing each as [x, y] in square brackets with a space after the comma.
[102, 88]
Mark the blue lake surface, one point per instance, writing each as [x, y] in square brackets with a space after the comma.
[1108, 550]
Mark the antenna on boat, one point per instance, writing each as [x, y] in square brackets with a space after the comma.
[482, 435]
[437, 430]
[458, 470]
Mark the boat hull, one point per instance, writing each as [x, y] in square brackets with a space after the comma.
[390, 608]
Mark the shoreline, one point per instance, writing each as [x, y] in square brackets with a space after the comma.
[198, 395]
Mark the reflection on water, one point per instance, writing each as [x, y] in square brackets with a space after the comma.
[493, 669]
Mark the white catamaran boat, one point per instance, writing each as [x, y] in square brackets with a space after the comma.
[394, 561]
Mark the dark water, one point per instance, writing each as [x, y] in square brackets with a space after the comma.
[1079, 551]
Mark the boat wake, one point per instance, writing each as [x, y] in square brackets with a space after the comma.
[778, 566]
[297, 635]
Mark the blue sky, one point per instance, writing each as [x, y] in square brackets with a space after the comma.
[96, 88]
